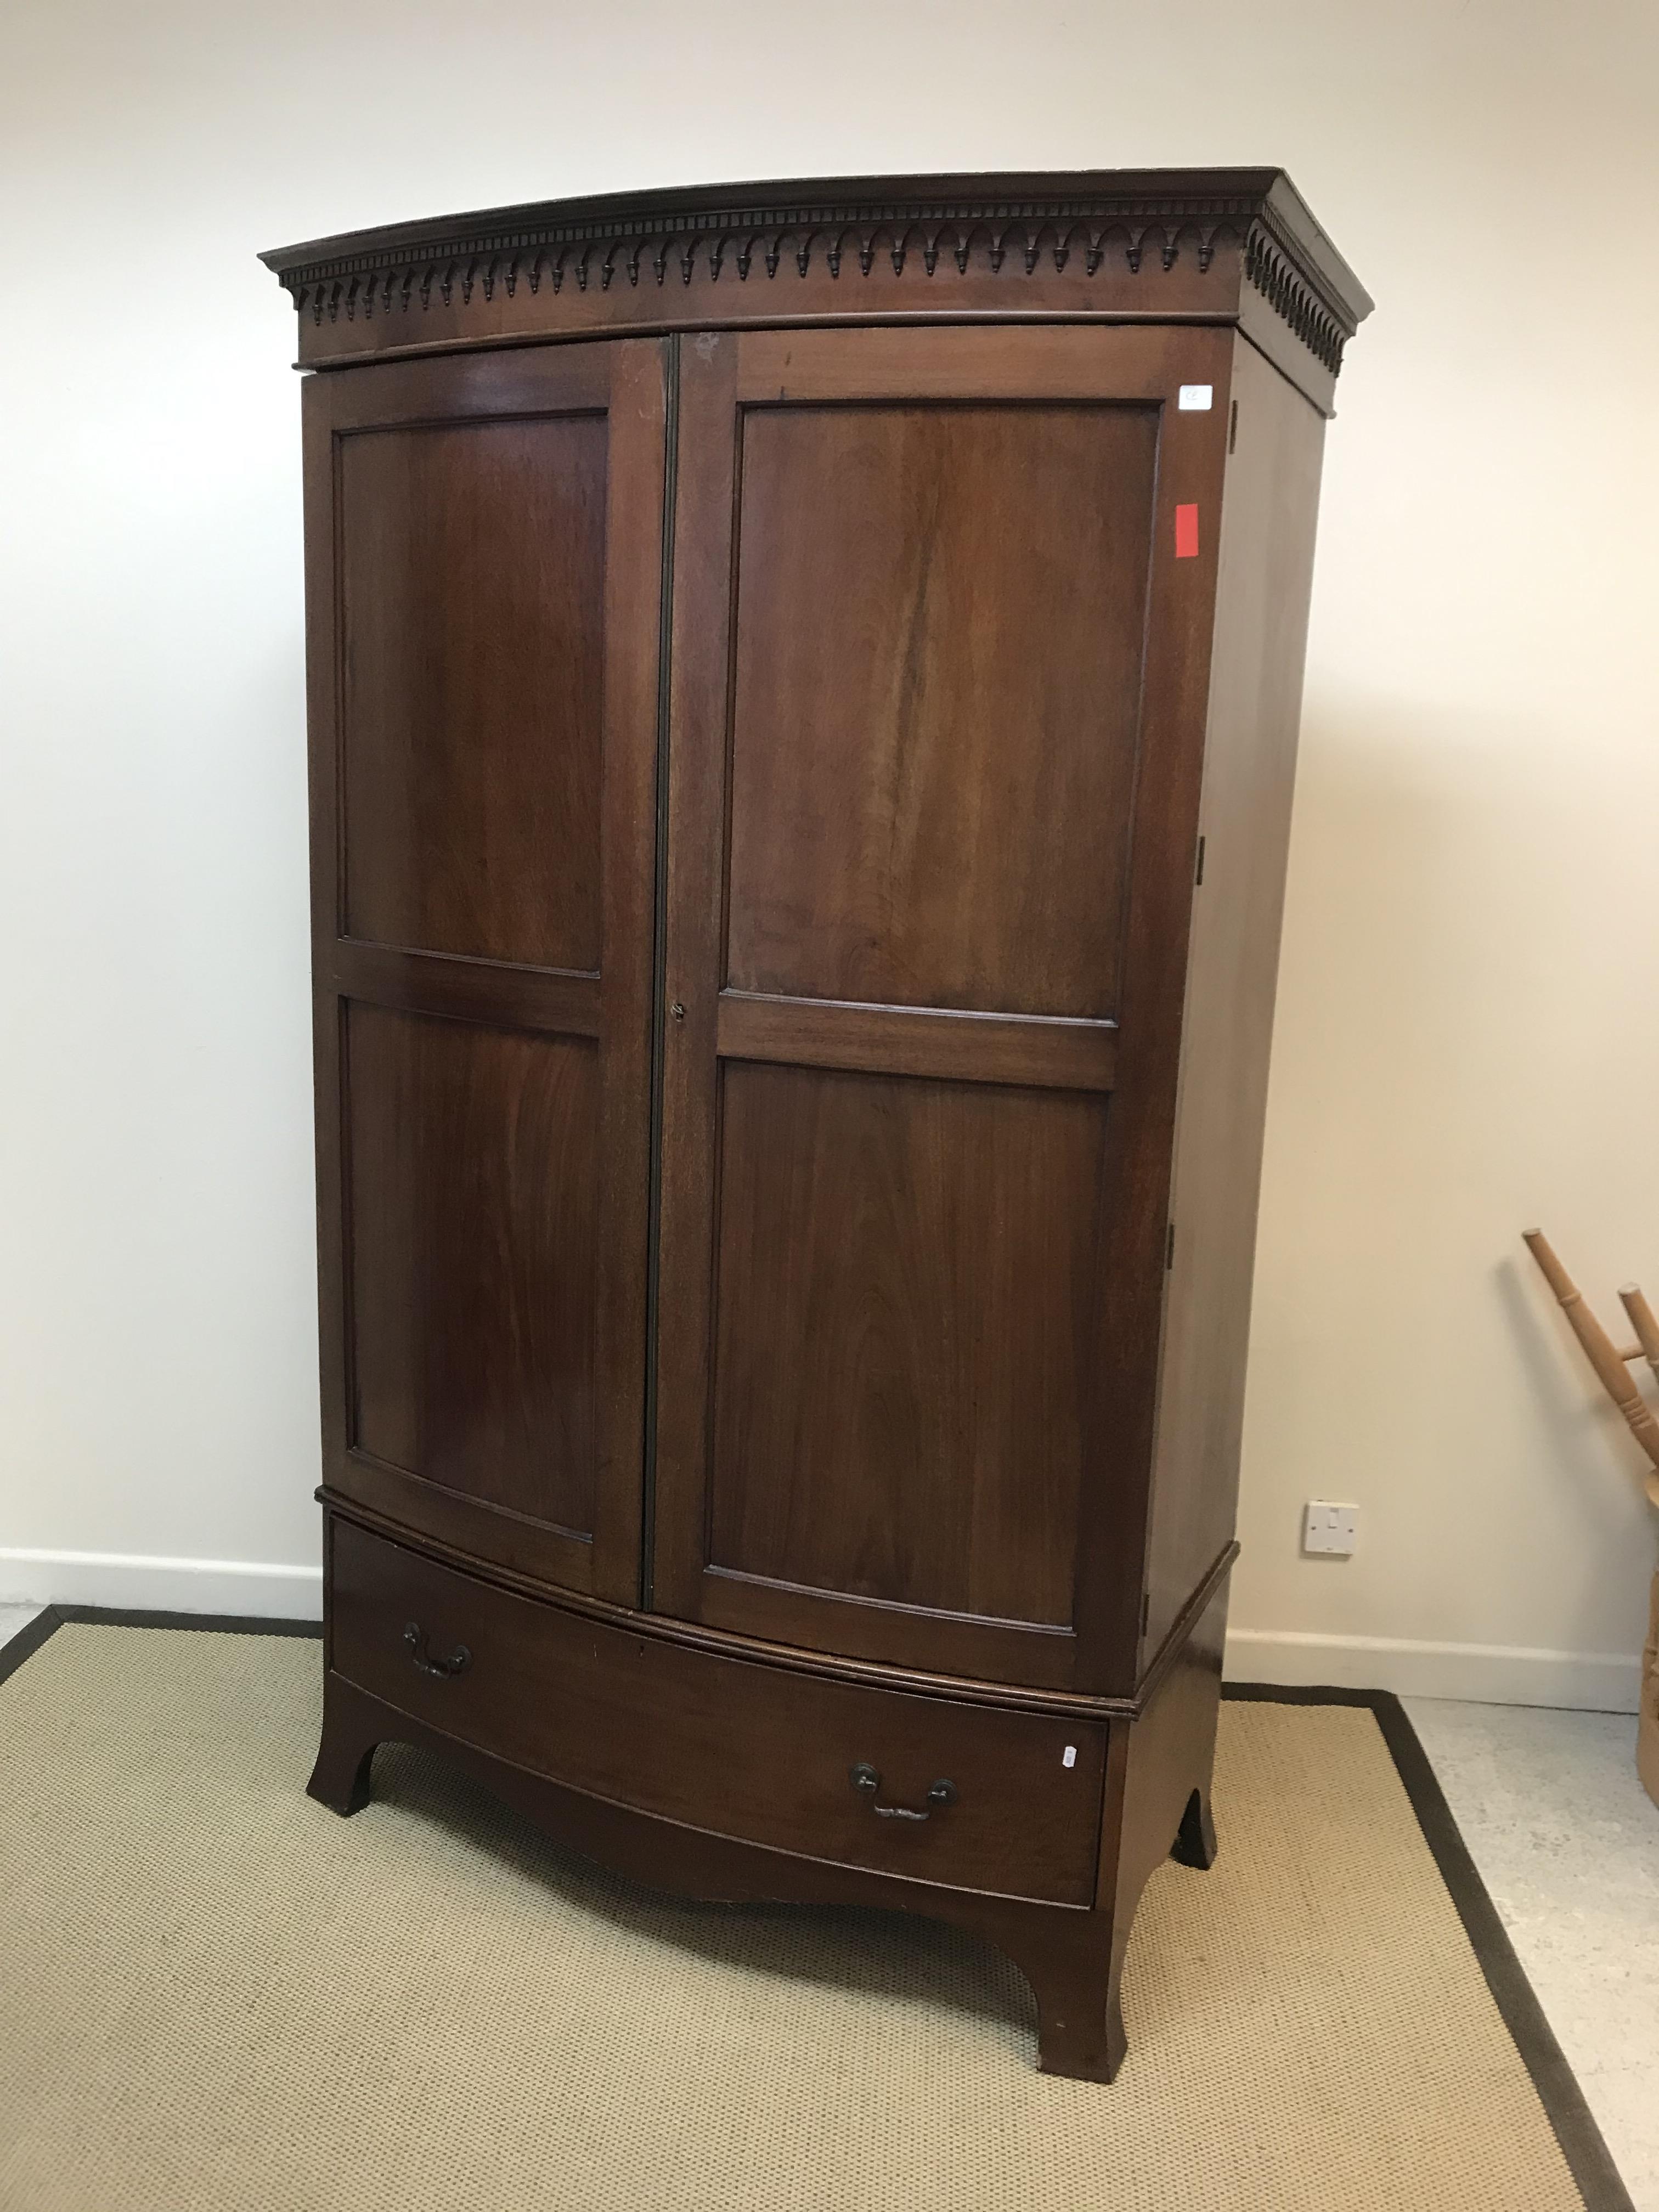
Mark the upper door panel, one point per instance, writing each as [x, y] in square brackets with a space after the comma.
[939, 625]
[473, 573]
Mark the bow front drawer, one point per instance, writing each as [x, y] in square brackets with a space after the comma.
[974, 1797]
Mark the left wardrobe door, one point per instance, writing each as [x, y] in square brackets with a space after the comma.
[484, 544]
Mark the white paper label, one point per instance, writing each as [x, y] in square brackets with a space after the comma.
[1195, 398]
[1068, 1757]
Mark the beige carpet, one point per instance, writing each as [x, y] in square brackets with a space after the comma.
[215, 1994]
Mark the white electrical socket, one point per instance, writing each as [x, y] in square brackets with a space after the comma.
[1327, 1528]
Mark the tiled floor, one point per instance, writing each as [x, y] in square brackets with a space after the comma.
[1567, 1841]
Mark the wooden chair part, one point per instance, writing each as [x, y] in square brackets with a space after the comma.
[1644, 1322]
[1599, 1348]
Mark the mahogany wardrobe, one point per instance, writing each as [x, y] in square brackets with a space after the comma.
[804, 682]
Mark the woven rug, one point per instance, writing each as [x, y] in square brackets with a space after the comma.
[216, 1994]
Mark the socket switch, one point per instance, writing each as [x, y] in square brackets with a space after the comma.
[1327, 1528]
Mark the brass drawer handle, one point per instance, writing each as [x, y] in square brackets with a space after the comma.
[457, 1663]
[866, 1781]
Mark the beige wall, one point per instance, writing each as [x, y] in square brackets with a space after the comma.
[1465, 1040]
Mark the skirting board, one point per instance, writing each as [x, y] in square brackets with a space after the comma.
[1483, 1674]
[132, 1583]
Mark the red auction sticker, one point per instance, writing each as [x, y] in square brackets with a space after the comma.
[1186, 533]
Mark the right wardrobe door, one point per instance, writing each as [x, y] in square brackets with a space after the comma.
[937, 676]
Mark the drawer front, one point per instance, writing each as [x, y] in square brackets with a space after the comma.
[759, 1753]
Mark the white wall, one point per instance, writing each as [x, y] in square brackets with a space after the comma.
[1466, 1042]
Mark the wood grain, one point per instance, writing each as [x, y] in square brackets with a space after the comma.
[468, 990]
[904, 1278]
[459, 1546]
[1059, 1055]
[957, 1079]
[1266, 565]
[737, 1749]
[472, 580]
[887, 673]
[699, 659]
[472, 1258]
[1091, 246]
[483, 563]
[939, 621]
[1134, 1273]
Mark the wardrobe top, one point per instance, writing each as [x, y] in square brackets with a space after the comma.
[1204, 246]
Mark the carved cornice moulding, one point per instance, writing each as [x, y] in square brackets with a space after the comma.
[1095, 242]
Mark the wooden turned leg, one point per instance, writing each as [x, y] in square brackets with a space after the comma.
[340, 1778]
[1194, 1845]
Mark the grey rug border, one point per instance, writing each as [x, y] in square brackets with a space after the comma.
[1588, 2159]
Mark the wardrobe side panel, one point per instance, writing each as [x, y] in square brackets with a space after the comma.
[1265, 581]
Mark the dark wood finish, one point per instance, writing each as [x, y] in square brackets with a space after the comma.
[486, 990]
[483, 797]
[1045, 1942]
[970, 614]
[940, 817]
[459, 1549]
[902, 1343]
[701, 612]
[939, 1041]
[472, 1294]
[342, 1778]
[747, 1751]
[1072, 1955]
[470, 773]
[1161, 245]
[1132, 1279]
[1266, 564]
[1165, 1759]
[789, 1104]
[1195, 1843]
